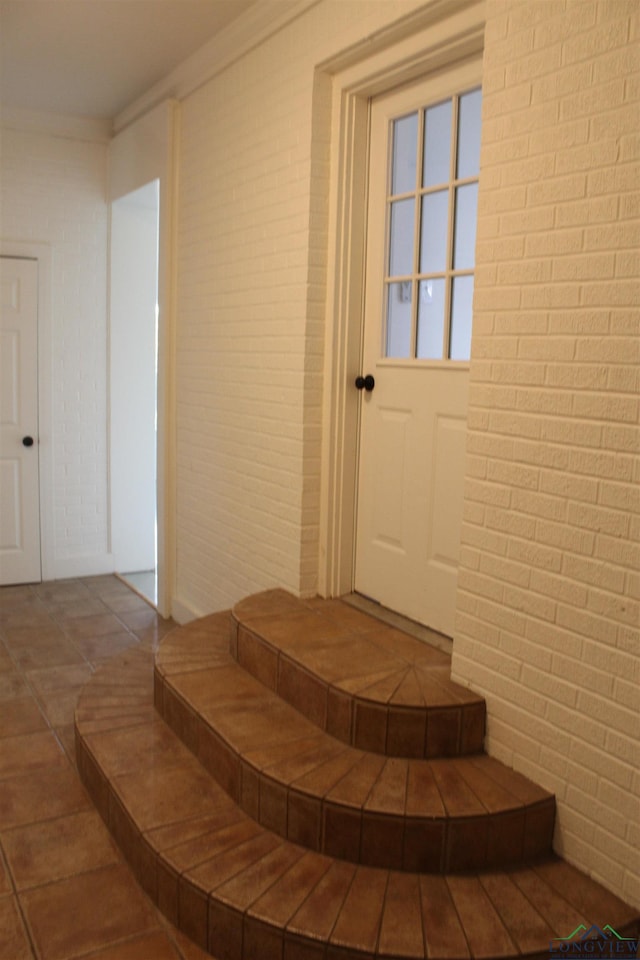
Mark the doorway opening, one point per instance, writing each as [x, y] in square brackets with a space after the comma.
[423, 48]
[134, 388]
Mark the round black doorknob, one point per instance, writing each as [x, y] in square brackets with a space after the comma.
[27, 441]
[365, 383]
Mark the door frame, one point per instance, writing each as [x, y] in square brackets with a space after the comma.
[431, 40]
[43, 254]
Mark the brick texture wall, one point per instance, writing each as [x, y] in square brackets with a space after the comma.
[53, 191]
[250, 319]
[548, 609]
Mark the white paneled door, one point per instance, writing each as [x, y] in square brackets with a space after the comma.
[423, 185]
[19, 484]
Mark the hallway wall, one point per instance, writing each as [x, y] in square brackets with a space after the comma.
[52, 191]
[250, 311]
[548, 611]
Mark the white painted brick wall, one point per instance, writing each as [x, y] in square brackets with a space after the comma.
[53, 191]
[251, 310]
[548, 604]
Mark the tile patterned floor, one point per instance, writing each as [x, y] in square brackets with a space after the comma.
[65, 889]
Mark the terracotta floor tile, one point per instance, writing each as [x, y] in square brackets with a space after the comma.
[58, 653]
[409, 648]
[6, 663]
[43, 632]
[322, 779]
[409, 692]
[147, 625]
[138, 748]
[185, 792]
[188, 949]
[14, 941]
[491, 794]
[401, 928]
[33, 614]
[6, 886]
[379, 684]
[28, 752]
[60, 679]
[61, 591]
[555, 910]
[67, 737]
[458, 798]
[305, 756]
[64, 862]
[64, 921]
[245, 888]
[580, 891]
[525, 925]
[127, 602]
[211, 874]
[67, 610]
[55, 792]
[12, 685]
[20, 716]
[106, 586]
[42, 852]
[273, 755]
[317, 915]
[203, 849]
[358, 923]
[297, 630]
[443, 933]
[16, 596]
[354, 788]
[98, 625]
[484, 930]
[279, 903]
[389, 792]
[97, 648]
[150, 946]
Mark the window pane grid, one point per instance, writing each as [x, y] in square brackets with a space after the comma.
[436, 244]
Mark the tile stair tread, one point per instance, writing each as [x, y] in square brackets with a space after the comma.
[332, 646]
[240, 891]
[295, 763]
[328, 647]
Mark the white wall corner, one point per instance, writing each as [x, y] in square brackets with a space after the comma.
[244, 34]
[93, 129]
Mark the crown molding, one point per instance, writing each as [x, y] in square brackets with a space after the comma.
[258, 23]
[94, 129]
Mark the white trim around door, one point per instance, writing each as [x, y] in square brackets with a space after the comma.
[42, 252]
[433, 39]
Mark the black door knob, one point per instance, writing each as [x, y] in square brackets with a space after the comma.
[365, 383]
[27, 441]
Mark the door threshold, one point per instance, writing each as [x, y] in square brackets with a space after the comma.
[393, 619]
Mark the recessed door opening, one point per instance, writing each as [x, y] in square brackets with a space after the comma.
[134, 387]
[423, 182]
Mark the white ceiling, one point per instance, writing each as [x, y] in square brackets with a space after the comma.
[93, 58]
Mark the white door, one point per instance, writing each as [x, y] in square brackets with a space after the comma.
[423, 187]
[19, 484]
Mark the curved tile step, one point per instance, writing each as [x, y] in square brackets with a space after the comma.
[367, 684]
[243, 893]
[445, 815]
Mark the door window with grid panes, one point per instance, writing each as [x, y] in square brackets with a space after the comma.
[431, 230]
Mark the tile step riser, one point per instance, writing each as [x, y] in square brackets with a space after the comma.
[446, 731]
[427, 844]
